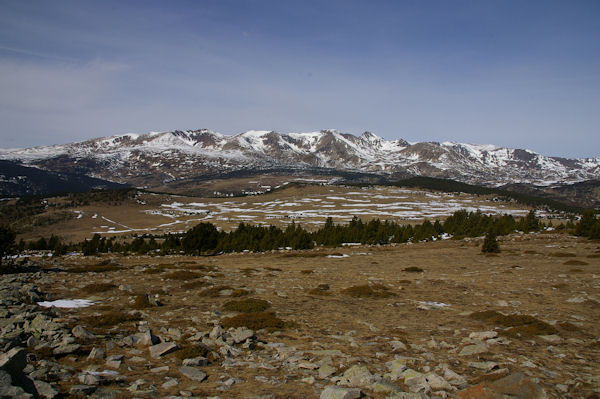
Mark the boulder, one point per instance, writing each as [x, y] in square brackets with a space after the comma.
[333, 392]
[159, 350]
[193, 373]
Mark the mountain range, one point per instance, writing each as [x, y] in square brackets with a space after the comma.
[161, 159]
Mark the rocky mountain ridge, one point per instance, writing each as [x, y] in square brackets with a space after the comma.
[159, 158]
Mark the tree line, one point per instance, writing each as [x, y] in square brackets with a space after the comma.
[206, 239]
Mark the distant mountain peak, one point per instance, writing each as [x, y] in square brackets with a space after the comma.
[157, 158]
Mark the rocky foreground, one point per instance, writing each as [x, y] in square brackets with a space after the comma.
[431, 320]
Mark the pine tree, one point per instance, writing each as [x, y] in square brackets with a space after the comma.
[7, 241]
[490, 245]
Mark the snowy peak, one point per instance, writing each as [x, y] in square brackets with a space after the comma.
[157, 158]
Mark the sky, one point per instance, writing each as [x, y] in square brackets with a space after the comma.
[521, 74]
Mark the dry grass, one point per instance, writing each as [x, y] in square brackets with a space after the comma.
[96, 288]
[563, 255]
[413, 269]
[111, 319]
[191, 351]
[248, 305]
[182, 275]
[213, 292]
[368, 291]
[101, 267]
[194, 284]
[575, 262]
[307, 271]
[322, 289]
[518, 325]
[593, 256]
[273, 269]
[141, 301]
[254, 321]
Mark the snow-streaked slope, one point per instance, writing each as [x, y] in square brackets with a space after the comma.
[159, 157]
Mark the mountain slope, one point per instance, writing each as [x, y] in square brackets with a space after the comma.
[158, 158]
[19, 180]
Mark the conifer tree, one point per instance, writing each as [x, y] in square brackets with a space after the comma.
[490, 244]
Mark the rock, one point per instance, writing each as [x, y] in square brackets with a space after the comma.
[454, 378]
[45, 390]
[161, 369]
[114, 364]
[398, 346]
[13, 362]
[81, 332]
[241, 334]
[96, 353]
[326, 371]
[333, 392]
[148, 339]
[193, 373]
[474, 349]
[196, 361]
[416, 381]
[396, 368]
[515, 386]
[437, 383]
[483, 335]
[66, 349]
[216, 332]
[171, 382]
[485, 366]
[159, 350]
[357, 376]
[82, 389]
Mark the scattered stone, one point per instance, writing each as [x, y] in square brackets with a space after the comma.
[13, 362]
[96, 353]
[437, 383]
[161, 369]
[326, 371]
[45, 390]
[81, 332]
[357, 376]
[241, 334]
[196, 361]
[66, 349]
[159, 350]
[474, 349]
[553, 339]
[398, 346]
[483, 335]
[333, 392]
[170, 383]
[193, 373]
[82, 389]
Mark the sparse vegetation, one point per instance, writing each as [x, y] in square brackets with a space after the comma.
[563, 255]
[517, 325]
[368, 291]
[321, 289]
[111, 319]
[248, 305]
[141, 301]
[214, 291]
[102, 267]
[413, 269]
[191, 351]
[182, 275]
[254, 321]
[575, 262]
[96, 288]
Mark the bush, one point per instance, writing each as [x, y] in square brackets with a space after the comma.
[254, 321]
[490, 244]
[249, 305]
[366, 291]
[7, 241]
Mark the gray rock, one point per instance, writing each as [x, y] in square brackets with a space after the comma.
[148, 339]
[196, 361]
[96, 353]
[437, 383]
[81, 332]
[66, 349]
[241, 334]
[216, 333]
[398, 346]
[161, 369]
[82, 389]
[357, 376]
[45, 390]
[159, 350]
[14, 361]
[326, 371]
[171, 382]
[474, 349]
[333, 392]
[193, 373]
[483, 335]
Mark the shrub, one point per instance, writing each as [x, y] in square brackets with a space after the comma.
[575, 263]
[490, 244]
[413, 269]
[249, 305]
[523, 325]
[111, 319]
[182, 275]
[254, 321]
[141, 301]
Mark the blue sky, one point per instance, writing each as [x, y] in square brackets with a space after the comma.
[521, 74]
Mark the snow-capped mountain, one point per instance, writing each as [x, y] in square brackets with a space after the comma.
[157, 158]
